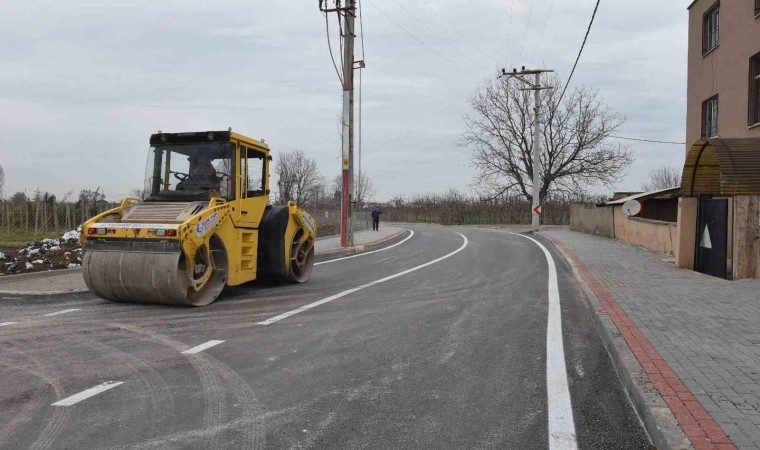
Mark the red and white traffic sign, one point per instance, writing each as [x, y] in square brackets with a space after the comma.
[537, 209]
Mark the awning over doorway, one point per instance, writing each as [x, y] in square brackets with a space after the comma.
[722, 167]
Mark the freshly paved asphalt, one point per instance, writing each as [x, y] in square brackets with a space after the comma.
[452, 355]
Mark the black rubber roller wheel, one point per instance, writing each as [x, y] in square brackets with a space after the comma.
[301, 258]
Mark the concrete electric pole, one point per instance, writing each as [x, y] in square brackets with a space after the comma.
[536, 88]
[347, 14]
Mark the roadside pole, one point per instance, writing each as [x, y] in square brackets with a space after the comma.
[347, 14]
[536, 87]
[346, 225]
[536, 206]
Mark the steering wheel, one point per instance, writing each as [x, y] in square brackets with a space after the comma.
[181, 176]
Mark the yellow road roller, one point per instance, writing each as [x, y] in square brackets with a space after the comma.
[205, 223]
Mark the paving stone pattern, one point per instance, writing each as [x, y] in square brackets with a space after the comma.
[707, 329]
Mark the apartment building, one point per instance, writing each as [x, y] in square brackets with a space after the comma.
[724, 70]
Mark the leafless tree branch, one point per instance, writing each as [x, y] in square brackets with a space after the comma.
[576, 151]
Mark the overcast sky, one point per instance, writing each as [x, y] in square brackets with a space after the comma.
[84, 83]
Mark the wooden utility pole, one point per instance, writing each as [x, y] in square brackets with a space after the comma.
[536, 88]
[346, 10]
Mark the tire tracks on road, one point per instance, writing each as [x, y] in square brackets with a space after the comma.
[213, 374]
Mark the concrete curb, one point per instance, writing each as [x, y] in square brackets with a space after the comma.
[34, 275]
[374, 245]
[658, 419]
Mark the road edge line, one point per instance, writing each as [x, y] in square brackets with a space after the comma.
[562, 431]
[370, 251]
[361, 249]
[660, 420]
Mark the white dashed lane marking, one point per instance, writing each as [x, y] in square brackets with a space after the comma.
[84, 395]
[200, 348]
[58, 313]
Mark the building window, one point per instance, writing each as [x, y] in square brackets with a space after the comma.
[711, 29]
[757, 8]
[754, 90]
[710, 117]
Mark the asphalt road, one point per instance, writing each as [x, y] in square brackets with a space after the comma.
[440, 342]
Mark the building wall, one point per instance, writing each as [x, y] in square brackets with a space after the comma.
[592, 220]
[655, 235]
[724, 71]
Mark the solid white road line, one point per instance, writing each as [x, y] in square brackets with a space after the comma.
[411, 233]
[4, 324]
[364, 286]
[561, 424]
[84, 395]
[200, 348]
[58, 313]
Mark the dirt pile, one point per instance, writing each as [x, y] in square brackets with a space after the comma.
[38, 256]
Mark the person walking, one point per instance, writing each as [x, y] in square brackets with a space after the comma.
[376, 219]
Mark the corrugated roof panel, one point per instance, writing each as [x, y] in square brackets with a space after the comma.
[722, 167]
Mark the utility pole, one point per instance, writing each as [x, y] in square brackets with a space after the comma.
[347, 14]
[536, 88]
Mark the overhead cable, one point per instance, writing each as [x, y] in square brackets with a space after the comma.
[432, 50]
[438, 35]
[459, 32]
[583, 45]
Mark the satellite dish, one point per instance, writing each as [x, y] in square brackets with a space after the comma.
[631, 208]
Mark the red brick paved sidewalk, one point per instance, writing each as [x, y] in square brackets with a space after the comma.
[695, 336]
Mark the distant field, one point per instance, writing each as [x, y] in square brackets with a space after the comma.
[23, 237]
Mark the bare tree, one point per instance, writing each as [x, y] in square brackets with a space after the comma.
[299, 175]
[576, 151]
[141, 193]
[663, 177]
[364, 188]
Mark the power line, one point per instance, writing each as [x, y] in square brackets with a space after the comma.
[361, 25]
[437, 35]
[432, 50]
[329, 46]
[509, 29]
[647, 140]
[543, 29]
[459, 32]
[527, 27]
[588, 30]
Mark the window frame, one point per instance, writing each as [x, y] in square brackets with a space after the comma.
[713, 11]
[753, 99]
[705, 125]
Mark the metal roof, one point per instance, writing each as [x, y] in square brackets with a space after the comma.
[657, 193]
[724, 167]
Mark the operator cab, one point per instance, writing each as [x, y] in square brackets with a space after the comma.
[191, 166]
